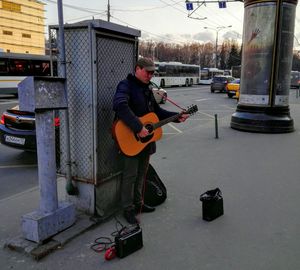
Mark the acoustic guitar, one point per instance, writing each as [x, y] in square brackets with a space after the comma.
[131, 144]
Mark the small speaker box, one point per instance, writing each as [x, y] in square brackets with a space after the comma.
[212, 204]
[129, 241]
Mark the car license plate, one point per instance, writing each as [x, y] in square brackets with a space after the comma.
[16, 140]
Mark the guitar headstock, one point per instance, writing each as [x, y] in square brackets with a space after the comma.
[192, 109]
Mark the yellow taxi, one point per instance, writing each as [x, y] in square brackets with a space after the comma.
[233, 89]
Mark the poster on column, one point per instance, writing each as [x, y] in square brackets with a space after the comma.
[283, 79]
[258, 42]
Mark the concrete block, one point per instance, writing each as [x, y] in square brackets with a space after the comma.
[42, 93]
[38, 226]
[82, 224]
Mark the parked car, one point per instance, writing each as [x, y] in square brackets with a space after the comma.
[295, 79]
[219, 83]
[160, 94]
[17, 129]
[237, 95]
[233, 88]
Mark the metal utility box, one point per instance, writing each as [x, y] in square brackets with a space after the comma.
[99, 55]
[42, 93]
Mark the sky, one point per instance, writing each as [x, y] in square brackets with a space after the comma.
[163, 20]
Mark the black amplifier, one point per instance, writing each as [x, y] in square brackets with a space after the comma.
[129, 241]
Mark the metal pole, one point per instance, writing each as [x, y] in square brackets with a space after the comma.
[108, 11]
[62, 58]
[216, 60]
[216, 126]
[50, 52]
[217, 37]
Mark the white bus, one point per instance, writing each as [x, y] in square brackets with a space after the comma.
[14, 67]
[176, 74]
[208, 73]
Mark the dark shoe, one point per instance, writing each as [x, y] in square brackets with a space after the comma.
[145, 209]
[129, 215]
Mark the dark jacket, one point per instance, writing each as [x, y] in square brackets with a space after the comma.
[134, 99]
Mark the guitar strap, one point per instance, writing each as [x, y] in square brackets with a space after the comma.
[150, 99]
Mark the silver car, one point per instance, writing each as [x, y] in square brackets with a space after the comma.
[160, 94]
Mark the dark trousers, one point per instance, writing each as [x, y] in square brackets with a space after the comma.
[134, 173]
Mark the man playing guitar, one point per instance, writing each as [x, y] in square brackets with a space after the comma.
[132, 101]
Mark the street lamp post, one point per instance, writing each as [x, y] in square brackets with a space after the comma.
[217, 29]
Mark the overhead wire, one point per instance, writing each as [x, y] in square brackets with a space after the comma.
[141, 10]
[184, 12]
[219, 19]
[85, 17]
[76, 7]
[102, 12]
[173, 6]
[211, 23]
[159, 36]
[97, 12]
[207, 21]
[178, 4]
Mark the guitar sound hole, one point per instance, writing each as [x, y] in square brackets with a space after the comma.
[149, 127]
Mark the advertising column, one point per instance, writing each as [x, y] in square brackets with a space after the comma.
[266, 66]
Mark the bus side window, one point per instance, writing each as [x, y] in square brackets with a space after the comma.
[3, 67]
[45, 69]
[18, 67]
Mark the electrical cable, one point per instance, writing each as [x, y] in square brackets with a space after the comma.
[104, 243]
[173, 6]
[88, 16]
[146, 9]
[76, 7]
[162, 37]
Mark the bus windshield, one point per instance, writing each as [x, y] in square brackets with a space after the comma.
[207, 74]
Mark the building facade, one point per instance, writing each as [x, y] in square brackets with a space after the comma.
[22, 26]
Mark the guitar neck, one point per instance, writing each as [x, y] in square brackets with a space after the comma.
[166, 121]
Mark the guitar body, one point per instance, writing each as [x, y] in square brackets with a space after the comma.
[129, 143]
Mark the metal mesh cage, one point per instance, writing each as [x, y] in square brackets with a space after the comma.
[96, 61]
[114, 57]
[79, 91]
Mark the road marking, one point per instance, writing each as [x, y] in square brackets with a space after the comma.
[226, 106]
[211, 116]
[172, 126]
[18, 166]
[19, 194]
[202, 99]
[8, 102]
[185, 89]
[33, 189]
[198, 119]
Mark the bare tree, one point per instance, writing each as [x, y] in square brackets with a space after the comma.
[188, 53]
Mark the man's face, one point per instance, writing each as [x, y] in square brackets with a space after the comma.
[143, 75]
